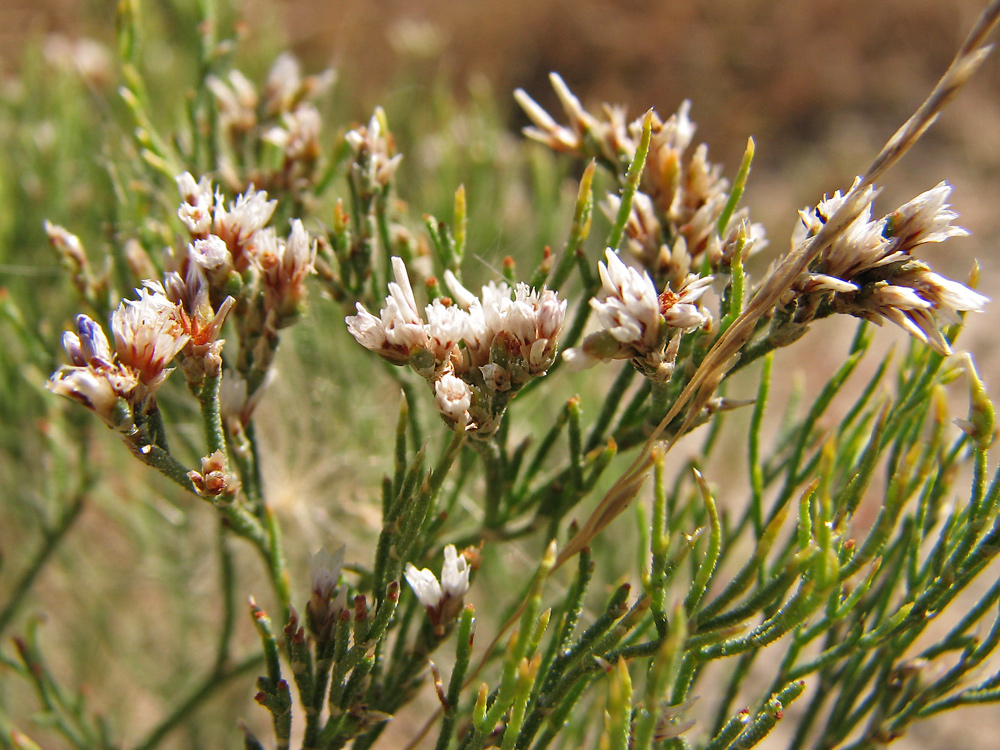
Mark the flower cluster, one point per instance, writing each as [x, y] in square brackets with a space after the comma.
[233, 261]
[442, 600]
[375, 160]
[869, 270]
[674, 217]
[118, 385]
[280, 116]
[232, 250]
[639, 324]
[476, 352]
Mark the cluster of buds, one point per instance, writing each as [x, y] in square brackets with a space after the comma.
[674, 220]
[281, 115]
[233, 251]
[476, 352]
[639, 324]
[214, 480]
[91, 286]
[120, 385]
[869, 271]
[375, 158]
[441, 599]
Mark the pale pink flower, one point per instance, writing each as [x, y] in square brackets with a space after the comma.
[398, 332]
[236, 225]
[148, 335]
[285, 265]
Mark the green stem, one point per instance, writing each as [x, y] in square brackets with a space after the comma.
[227, 585]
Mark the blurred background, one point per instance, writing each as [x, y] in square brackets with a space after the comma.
[819, 85]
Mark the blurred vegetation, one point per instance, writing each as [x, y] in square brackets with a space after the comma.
[119, 541]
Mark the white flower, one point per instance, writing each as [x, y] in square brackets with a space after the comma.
[250, 212]
[324, 571]
[921, 302]
[453, 585]
[236, 100]
[454, 574]
[196, 204]
[325, 606]
[453, 397]
[285, 86]
[636, 321]
[66, 243]
[926, 218]
[868, 270]
[548, 131]
[628, 308]
[211, 254]
[398, 332]
[447, 325]
[535, 320]
[98, 389]
[299, 136]
[680, 309]
[367, 330]
[374, 150]
[284, 266]
[284, 81]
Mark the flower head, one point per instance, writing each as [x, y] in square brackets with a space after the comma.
[326, 601]
[148, 335]
[298, 137]
[398, 332]
[442, 600]
[95, 379]
[868, 271]
[476, 352]
[196, 204]
[236, 98]
[636, 322]
[284, 266]
[453, 397]
[236, 225]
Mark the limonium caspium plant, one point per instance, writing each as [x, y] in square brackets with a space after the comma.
[750, 606]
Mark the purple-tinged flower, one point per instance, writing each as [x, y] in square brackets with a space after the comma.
[95, 379]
